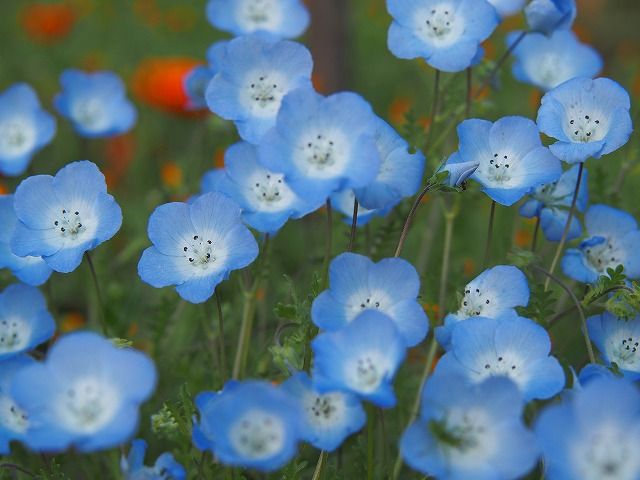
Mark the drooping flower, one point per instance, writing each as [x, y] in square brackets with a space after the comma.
[342, 201]
[95, 103]
[548, 61]
[613, 239]
[195, 85]
[470, 430]
[618, 341]
[506, 8]
[30, 270]
[588, 118]
[280, 18]
[25, 321]
[14, 421]
[62, 217]
[593, 434]
[514, 347]
[25, 128]
[165, 468]
[322, 145]
[459, 173]
[446, 34]
[328, 418]
[85, 394]
[356, 284]
[551, 203]
[510, 154]
[253, 76]
[266, 200]
[400, 172]
[361, 358]
[496, 292]
[547, 16]
[196, 245]
[250, 424]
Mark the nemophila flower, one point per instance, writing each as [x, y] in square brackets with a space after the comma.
[195, 85]
[266, 200]
[25, 128]
[328, 418]
[506, 8]
[62, 217]
[618, 341]
[25, 321]
[515, 347]
[14, 421]
[215, 55]
[447, 34]
[510, 154]
[547, 16]
[30, 270]
[551, 203]
[254, 75]
[496, 292]
[356, 284]
[590, 372]
[342, 201]
[588, 118]
[459, 173]
[613, 239]
[195, 246]
[469, 431]
[95, 103]
[548, 61]
[250, 424]
[361, 358]
[593, 434]
[280, 18]
[165, 468]
[86, 393]
[322, 144]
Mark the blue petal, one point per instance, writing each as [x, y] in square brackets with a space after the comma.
[575, 266]
[553, 221]
[160, 270]
[199, 289]
[607, 221]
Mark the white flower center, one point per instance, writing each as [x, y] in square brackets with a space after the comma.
[548, 69]
[259, 14]
[69, 224]
[14, 334]
[501, 169]
[361, 301]
[467, 436]
[264, 92]
[199, 252]
[623, 349]
[90, 113]
[258, 435]
[506, 364]
[88, 405]
[12, 417]
[367, 371]
[473, 303]
[17, 137]
[604, 255]
[271, 192]
[325, 410]
[439, 25]
[323, 154]
[583, 126]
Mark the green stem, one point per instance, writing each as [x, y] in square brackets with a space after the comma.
[505, 56]
[567, 226]
[329, 241]
[320, 466]
[536, 230]
[354, 225]
[407, 222]
[96, 284]
[487, 248]
[449, 218]
[467, 110]
[221, 344]
[371, 427]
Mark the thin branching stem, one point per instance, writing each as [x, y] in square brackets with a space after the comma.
[96, 285]
[354, 225]
[409, 219]
[221, 344]
[536, 231]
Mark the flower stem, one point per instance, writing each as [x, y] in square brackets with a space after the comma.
[536, 230]
[371, 426]
[322, 463]
[487, 248]
[467, 110]
[329, 241]
[567, 226]
[354, 224]
[434, 110]
[96, 284]
[505, 56]
[221, 344]
[449, 218]
[407, 222]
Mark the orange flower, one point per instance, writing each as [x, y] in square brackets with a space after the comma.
[3, 189]
[468, 267]
[119, 152]
[523, 238]
[398, 109]
[171, 174]
[48, 22]
[159, 83]
[218, 158]
[72, 321]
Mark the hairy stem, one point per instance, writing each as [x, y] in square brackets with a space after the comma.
[409, 219]
[487, 248]
[96, 285]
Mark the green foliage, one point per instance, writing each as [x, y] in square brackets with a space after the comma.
[175, 419]
[444, 434]
[293, 471]
[613, 280]
[412, 131]
[622, 298]
[542, 304]
[522, 258]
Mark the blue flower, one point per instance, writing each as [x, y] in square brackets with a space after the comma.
[356, 284]
[86, 393]
[165, 468]
[506, 8]
[618, 340]
[62, 217]
[361, 358]
[547, 16]
[254, 75]
[342, 201]
[514, 347]
[459, 173]
[496, 292]
[470, 431]
[266, 200]
[328, 418]
[546, 62]
[447, 34]
[14, 421]
[195, 246]
[589, 118]
[25, 128]
[593, 434]
[552, 202]
[25, 321]
[510, 154]
[30, 270]
[613, 240]
[215, 55]
[590, 372]
[322, 145]
[280, 18]
[95, 103]
[195, 85]
[250, 424]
